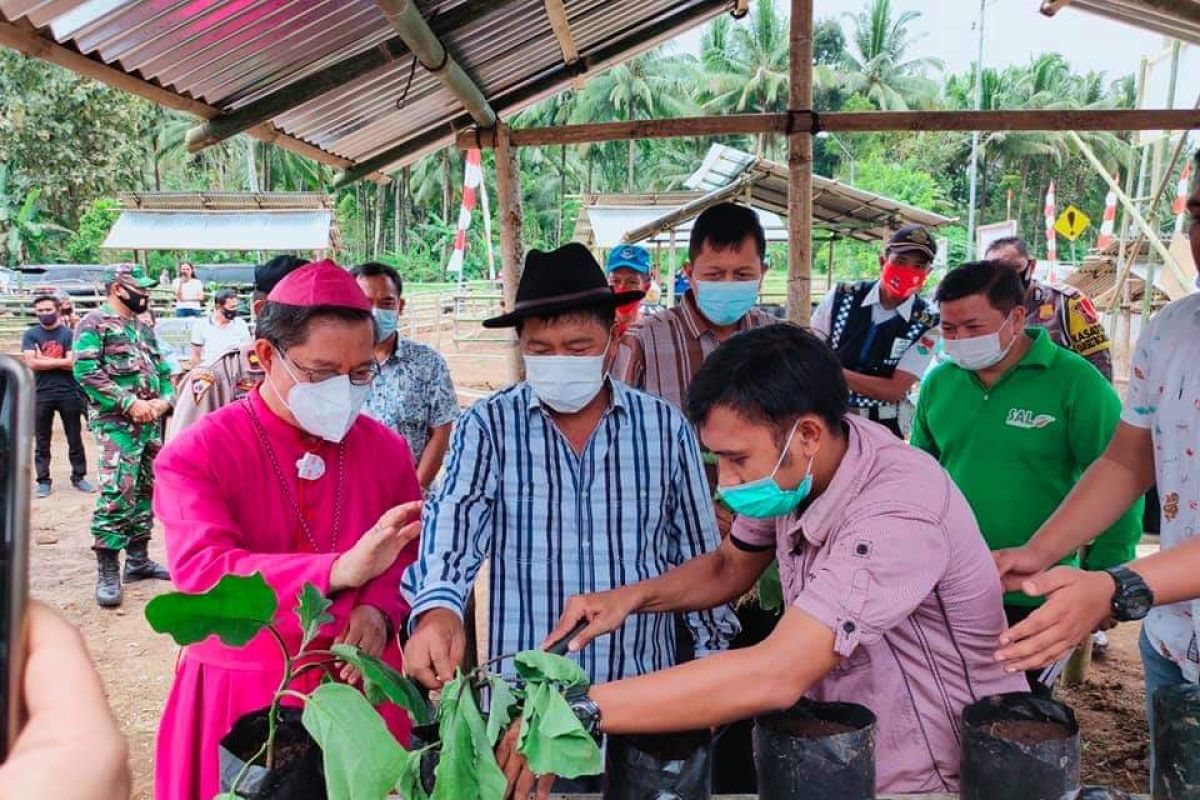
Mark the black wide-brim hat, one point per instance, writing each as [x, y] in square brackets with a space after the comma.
[566, 279]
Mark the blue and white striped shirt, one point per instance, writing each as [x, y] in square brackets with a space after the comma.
[555, 523]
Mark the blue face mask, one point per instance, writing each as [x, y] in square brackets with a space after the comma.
[725, 302]
[385, 322]
[762, 498]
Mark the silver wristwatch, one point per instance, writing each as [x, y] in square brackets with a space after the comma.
[588, 713]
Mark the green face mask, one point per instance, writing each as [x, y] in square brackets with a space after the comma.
[762, 498]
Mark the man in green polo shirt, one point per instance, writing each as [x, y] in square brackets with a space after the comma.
[1015, 419]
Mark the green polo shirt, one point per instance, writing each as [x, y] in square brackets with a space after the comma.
[1017, 448]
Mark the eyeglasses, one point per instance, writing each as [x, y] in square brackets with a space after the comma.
[359, 376]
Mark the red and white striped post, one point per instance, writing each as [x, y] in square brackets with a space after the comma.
[1110, 216]
[1051, 235]
[1181, 197]
[472, 176]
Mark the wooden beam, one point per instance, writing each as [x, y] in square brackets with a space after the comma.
[800, 163]
[512, 250]
[556, 12]
[846, 122]
[27, 41]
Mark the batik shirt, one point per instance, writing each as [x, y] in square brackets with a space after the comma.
[1164, 397]
[413, 393]
[117, 361]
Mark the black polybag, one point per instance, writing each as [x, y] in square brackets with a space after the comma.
[674, 766]
[299, 775]
[995, 768]
[792, 767]
[1176, 735]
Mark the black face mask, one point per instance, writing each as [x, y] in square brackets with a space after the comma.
[48, 320]
[135, 301]
[229, 313]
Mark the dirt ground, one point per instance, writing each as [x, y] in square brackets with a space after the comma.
[136, 664]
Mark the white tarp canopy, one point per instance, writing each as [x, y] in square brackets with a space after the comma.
[609, 224]
[228, 230]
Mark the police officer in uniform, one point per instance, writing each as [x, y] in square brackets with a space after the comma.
[230, 376]
[128, 386]
[883, 331]
[1067, 314]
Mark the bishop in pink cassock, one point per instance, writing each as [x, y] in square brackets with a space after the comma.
[229, 497]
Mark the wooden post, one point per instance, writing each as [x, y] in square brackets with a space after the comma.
[799, 301]
[829, 271]
[671, 270]
[512, 251]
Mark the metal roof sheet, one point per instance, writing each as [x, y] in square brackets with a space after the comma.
[231, 53]
[609, 225]
[1182, 24]
[730, 174]
[195, 230]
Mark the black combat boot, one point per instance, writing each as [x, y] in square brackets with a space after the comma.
[108, 579]
[139, 567]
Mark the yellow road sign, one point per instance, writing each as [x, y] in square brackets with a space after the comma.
[1072, 223]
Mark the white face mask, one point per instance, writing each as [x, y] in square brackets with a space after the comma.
[978, 352]
[326, 409]
[565, 383]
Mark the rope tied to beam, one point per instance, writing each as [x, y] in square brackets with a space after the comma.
[412, 73]
[814, 127]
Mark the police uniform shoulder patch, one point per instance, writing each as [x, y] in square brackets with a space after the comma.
[200, 382]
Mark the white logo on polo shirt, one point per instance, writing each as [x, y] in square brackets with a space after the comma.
[1023, 418]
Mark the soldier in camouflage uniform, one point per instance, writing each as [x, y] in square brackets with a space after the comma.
[128, 387]
[1067, 314]
[230, 376]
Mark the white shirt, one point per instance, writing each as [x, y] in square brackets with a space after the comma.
[1164, 397]
[217, 339]
[916, 357]
[192, 292]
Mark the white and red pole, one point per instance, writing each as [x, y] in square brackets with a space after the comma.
[1051, 235]
[1181, 197]
[1110, 216]
[472, 176]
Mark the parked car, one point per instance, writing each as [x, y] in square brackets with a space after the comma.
[74, 279]
[235, 276]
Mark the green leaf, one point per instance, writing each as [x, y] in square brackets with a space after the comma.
[467, 766]
[409, 783]
[235, 610]
[311, 610]
[770, 589]
[362, 759]
[501, 713]
[381, 682]
[553, 740]
[537, 665]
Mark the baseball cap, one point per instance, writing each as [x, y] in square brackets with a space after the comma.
[129, 275]
[913, 238]
[267, 274]
[629, 256]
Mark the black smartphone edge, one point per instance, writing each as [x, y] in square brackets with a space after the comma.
[18, 406]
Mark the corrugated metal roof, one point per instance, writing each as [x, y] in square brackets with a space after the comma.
[731, 174]
[1182, 24]
[231, 53]
[232, 230]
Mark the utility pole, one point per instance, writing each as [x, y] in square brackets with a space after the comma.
[975, 136]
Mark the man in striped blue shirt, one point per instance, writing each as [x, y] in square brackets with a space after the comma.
[567, 483]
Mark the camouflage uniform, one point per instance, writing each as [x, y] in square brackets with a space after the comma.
[225, 379]
[117, 361]
[1072, 322]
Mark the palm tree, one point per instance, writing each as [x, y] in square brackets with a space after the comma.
[651, 85]
[877, 65]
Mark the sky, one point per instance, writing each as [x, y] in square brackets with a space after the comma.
[1014, 32]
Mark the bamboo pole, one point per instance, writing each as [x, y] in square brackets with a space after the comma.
[1151, 235]
[671, 277]
[845, 122]
[508, 190]
[799, 300]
